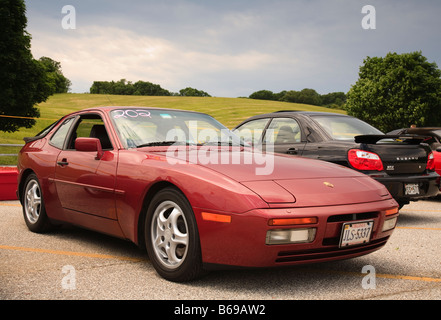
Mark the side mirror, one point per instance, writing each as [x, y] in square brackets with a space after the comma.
[438, 149]
[89, 145]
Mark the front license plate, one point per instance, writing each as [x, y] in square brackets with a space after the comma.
[354, 233]
[411, 189]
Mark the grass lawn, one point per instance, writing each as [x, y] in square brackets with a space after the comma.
[229, 111]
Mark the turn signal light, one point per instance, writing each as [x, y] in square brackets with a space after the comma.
[390, 212]
[292, 221]
[364, 160]
[216, 217]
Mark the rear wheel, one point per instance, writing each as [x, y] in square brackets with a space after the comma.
[172, 237]
[34, 211]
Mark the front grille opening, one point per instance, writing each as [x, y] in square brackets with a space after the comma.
[324, 253]
[353, 217]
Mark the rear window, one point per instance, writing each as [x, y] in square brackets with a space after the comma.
[344, 128]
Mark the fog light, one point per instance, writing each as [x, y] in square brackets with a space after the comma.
[389, 224]
[290, 236]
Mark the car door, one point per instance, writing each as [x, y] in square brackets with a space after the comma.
[284, 136]
[86, 183]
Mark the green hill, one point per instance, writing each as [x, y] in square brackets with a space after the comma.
[229, 111]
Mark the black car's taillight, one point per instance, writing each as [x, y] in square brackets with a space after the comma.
[364, 160]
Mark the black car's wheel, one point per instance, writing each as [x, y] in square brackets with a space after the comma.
[34, 211]
[172, 238]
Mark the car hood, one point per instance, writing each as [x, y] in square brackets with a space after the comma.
[287, 179]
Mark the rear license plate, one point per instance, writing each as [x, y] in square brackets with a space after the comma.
[354, 233]
[411, 189]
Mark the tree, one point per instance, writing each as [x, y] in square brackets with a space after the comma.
[57, 81]
[23, 80]
[397, 91]
[306, 96]
[334, 100]
[145, 88]
[192, 92]
[124, 87]
[262, 95]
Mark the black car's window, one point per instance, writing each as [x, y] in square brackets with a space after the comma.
[283, 130]
[58, 138]
[251, 132]
[344, 128]
[90, 126]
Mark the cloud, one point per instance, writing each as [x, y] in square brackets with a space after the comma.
[105, 54]
[229, 48]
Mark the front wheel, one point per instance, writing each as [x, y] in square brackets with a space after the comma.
[172, 237]
[34, 211]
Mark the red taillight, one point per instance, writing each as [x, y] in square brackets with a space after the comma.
[430, 162]
[364, 160]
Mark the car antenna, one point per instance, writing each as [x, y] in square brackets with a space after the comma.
[108, 98]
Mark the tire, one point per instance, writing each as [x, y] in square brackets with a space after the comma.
[172, 237]
[34, 211]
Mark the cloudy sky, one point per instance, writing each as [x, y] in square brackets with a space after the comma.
[229, 48]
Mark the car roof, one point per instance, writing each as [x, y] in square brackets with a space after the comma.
[296, 112]
[111, 108]
[309, 113]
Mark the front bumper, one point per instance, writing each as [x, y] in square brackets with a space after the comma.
[242, 242]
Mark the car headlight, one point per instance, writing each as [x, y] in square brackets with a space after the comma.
[287, 236]
[389, 224]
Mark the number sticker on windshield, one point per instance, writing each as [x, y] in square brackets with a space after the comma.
[129, 113]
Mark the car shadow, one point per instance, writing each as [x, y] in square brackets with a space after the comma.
[421, 218]
[96, 242]
[312, 281]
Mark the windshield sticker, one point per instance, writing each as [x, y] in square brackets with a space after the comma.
[129, 113]
[165, 116]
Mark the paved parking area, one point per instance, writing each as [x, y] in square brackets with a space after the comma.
[72, 263]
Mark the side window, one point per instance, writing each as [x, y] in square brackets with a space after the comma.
[283, 130]
[58, 138]
[90, 126]
[251, 132]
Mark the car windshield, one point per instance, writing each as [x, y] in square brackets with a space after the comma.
[143, 127]
[344, 128]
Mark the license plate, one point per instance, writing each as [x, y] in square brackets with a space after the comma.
[354, 233]
[411, 189]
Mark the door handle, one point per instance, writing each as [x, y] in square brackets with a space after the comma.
[291, 151]
[63, 162]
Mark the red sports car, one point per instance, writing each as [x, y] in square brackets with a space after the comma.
[184, 187]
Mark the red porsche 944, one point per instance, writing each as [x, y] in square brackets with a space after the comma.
[187, 189]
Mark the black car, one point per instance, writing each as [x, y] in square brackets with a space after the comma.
[433, 135]
[404, 164]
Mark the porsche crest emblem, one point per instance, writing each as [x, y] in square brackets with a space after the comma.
[328, 184]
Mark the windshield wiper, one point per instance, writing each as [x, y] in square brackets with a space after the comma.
[160, 143]
[223, 143]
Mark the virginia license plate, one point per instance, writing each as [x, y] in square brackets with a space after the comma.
[354, 233]
[411, 189]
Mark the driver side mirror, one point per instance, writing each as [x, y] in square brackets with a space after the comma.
[438, 149]
[89, 145]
